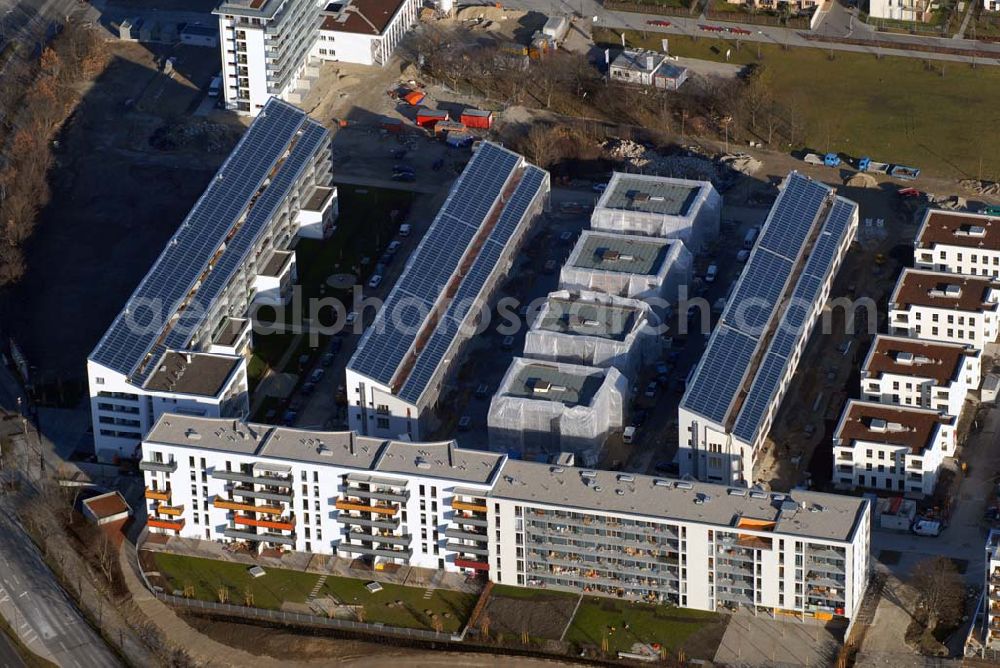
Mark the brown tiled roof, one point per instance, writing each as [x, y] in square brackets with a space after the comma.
[938, 361]
[916, 287]
[917, 430]
[378, 13]
[951, 228]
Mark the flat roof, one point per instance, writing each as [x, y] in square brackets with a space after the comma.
[620, 253]
[203, 374]
[826, 516]
[650, 194]
[208, 433]
[903, 426]
[229, 331]
[378, 13]
[318, 198]
[337, 448]
[276, 263]
[945, 291]
[941, 362]
[107, 505]
[539, 381]
[952, 228]
[588, 317]
[439, 460]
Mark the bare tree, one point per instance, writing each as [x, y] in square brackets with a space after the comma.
[942, 591]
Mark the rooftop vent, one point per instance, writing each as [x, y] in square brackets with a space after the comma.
[588, 474]
[951, 290]
[789, 506]
[904, 358]
[626, 477]
[663, 483]
[557, 469]
[684, 484]
[192, 435]
[736, 491]
[878, 425]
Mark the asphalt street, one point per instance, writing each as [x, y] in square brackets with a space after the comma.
[34, 603]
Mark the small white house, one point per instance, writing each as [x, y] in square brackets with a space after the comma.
[636, 66]
[669, 76]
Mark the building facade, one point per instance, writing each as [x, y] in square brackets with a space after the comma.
[891, 448]
[365, 32]
[991, 591]
[437, 506]
[958, 243]
[180, 342]
[945, 307]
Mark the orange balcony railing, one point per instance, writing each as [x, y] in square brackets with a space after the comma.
[287, 524]
[344, 504]
[246, 507]
[173, 525]
[158, 494]
[465, 505]
[173, 511]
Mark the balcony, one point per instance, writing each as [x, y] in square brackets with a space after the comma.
[172, 525]
[270, 480]
[250, 493]
[375, 551]
[158, 494]
[471, 507]
[388, 524]
[259, 537]
[468, 549]
[388, 538]
[226, 504]
[475, 565]
[379, 509]
[451, 532]
[378, 495]
[173, 511]
[158, 467]
[470, 521]
[281, 524]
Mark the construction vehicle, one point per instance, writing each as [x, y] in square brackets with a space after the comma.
[830, 159]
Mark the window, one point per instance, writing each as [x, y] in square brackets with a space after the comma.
[382, 423]
[99, 381]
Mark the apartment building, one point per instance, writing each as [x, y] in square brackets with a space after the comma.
[395, 376]
[958, 243]
[923, 374]
[991, 591]
[945, 307]
[891, 448]
[365, 32]
[179, 343]
[658, 206]
[438, 506]
[265, 48]
[736, 389]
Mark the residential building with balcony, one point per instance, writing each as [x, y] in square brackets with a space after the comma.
[893, 448]
[735, 391]
[396, 374]
[180, 342]
[518, 523]
[991, 591]
[945, 307]
[958, 243]
[919, 373]
[365, 32]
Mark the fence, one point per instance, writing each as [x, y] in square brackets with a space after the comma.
[649, 8]
[303, 619]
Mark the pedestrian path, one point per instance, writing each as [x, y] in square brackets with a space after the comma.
[315, 591]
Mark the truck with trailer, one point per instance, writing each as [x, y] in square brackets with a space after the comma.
[829, 160]
[902, 172]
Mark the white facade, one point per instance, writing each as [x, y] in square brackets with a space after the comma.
[991, 591]
[922, 374]
[180, 341]
[365, 32]
[265, 51]
[958, 243]
[902, 10]
[635, 66]
[891, 448]
[945, 307]
[437, 506]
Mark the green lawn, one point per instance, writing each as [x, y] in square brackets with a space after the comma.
[528, 594]
[278, 585]
[893, 110]
[668, 626]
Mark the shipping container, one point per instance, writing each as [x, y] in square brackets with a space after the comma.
[477, 118]
[428, 118]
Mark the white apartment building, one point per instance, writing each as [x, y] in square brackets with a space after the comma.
[958, 243]
[396, 374]
[365, 32]
[945, 307]
[913, 11]
[438, 506]
[891, 448]
[923, 374]
[991, 591]
[736, 389]
[658, 206]
[265, 48]
[179, 344]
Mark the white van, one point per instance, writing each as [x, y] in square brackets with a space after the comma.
[927, 528]
[404, 230]
[628, 436]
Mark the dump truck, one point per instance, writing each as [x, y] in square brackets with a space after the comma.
[872, 167]
[903, 172]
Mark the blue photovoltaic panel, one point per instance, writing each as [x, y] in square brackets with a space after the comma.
[763, 390]
[720, 374]
[434, 263]
[135, 331]
[840, 218]
[760, 288]
[473, 283]
[821, 258]
[794, 214]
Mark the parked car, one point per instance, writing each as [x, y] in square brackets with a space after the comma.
[316, 375]
[375, 281]
[393, 247]
[659, 23]
[599, 187]
[628, 435]
[288, 419]
[712, 273]
[327, 359]
[927, 528]
[404, 230]
[743, 255]
[308, 388]
[403, 176]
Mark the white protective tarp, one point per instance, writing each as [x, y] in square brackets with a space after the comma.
[532, 428]
[675, 271]
[607, 331]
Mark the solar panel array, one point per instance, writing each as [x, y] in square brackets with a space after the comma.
[754, 303]
[176, 272]
[384, 346]
[472, 286]
[791, 329]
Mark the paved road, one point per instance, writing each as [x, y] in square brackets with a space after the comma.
[9, 658]
[36, 606]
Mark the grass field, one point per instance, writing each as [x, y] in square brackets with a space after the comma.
[208, 575]
[893, 110]
[674, 628]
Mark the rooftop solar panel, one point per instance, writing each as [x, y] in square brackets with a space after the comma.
[763, 390]
[793, 216]
[720, 373]
[758, 292]
[137, 328]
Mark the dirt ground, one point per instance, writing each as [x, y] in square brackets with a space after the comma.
[116, 200]
[541, 617]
